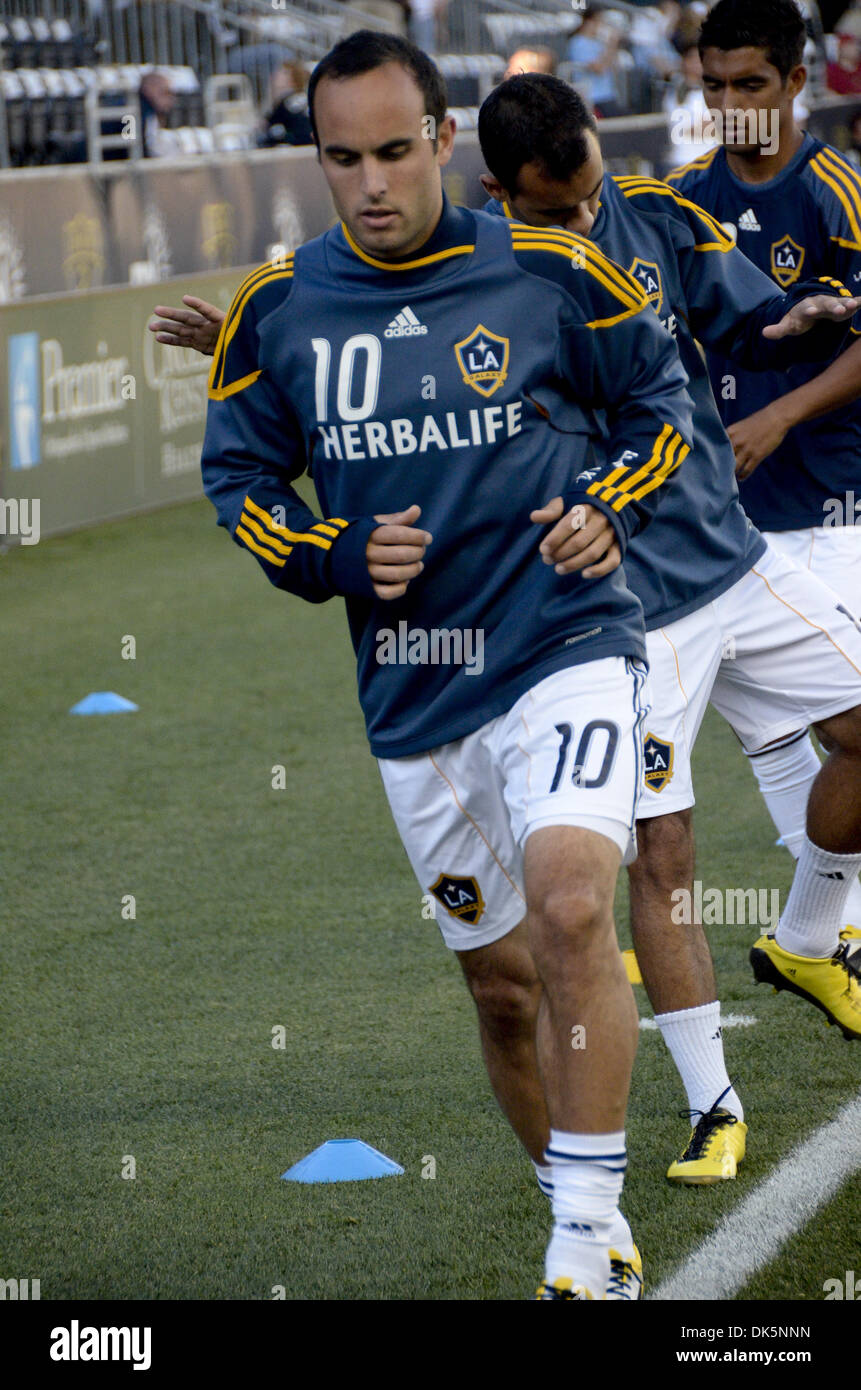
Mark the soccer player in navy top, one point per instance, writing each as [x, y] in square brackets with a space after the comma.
[410, 357]
[727, 619]
[794, 205]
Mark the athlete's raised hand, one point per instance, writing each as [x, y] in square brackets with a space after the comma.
[582, 539]
[757, 436]
[395, 552]
[196, 327]
[803, 315]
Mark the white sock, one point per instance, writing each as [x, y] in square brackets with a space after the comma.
[811, 923]
[544, 1174]
[694, 1039]
[620, 1236]
[785, 776]
[588, 1172]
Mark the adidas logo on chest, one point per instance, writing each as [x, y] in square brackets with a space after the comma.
[405, 325]
[748, 223]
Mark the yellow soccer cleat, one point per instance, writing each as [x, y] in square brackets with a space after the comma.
[852, 936]
[832, 984]
[626, 1278]
[714, 1151]
[563, 1289]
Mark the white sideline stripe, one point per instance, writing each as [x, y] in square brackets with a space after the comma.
[730, 1021]
[752, 1234]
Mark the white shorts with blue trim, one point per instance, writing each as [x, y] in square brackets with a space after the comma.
[569, 752]
[775, 653]
[832, 553]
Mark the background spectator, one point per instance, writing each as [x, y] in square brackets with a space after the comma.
[156, 97]
[849, 22]
[844, 74]
[287, 121]
[531, 60]
[593, 51]
[427, 18]
[392, 16]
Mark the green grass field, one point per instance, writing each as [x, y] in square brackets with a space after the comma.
[152, 1037]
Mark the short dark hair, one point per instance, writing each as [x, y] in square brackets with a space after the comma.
[365, 50]
[776, 25]
[534, 117]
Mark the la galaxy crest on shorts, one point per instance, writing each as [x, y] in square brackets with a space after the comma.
[658, 762]
[460, 896]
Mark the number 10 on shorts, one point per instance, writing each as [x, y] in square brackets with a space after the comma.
[581, 756]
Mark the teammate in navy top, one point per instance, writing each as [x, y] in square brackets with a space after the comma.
[409, 357]
[795, 206]
[727, 619]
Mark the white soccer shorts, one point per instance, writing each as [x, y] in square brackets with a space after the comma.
[775, 653]
[832, 553]
[569, 752]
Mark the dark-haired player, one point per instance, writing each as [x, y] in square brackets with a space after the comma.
[794, 205]
[409, 357]
[727, 618]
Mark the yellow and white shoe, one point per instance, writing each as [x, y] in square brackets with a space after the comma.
[832, 984]
[714, 1151]
[562, 1289]
[626, 1277]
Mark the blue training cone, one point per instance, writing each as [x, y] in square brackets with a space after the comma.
[102, 702]
[342, 1160]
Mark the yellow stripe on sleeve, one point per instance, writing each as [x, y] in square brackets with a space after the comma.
[835, 177]
[645, 469]
[723, 242]
[249, 540]
[221, 393]
[668, 467]
[604, 486]
[231, 323]
[265, 537]
[669, 464]
[701, 162]
[283, 532]
[586, 254]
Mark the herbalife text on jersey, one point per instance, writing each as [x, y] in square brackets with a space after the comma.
[736, 126]
[437, 646]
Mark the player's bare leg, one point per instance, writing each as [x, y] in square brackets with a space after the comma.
[674, 960]
[587, 1037]
[504, 984]
[834, 808]
[678, 975]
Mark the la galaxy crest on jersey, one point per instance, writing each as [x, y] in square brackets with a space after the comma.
[787, 258]
[483, 360]
[649, 276]
[659, 762]
[460, 896]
